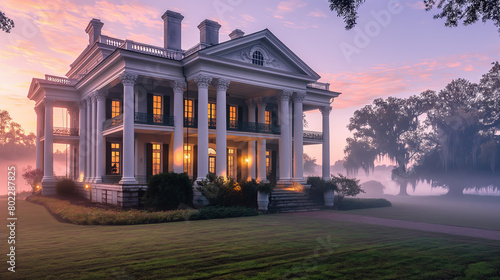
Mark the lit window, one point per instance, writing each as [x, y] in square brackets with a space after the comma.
[268, 162]
[115, 158]
[157, 109]
[268, 117]
[257, 58]
[211, 114]
[230, 163]
[156, 158]
[233, 113]
[188, 109]
[115, 108]
[187, 159]
[211, 160]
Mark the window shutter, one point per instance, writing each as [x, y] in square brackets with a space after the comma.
[166, 107]
[108, 108]
[239, 159]
[240, 113]
[195, 162]
[149, 160]
[150, 103]
[195, 112]
[165, 158]
[108, 158]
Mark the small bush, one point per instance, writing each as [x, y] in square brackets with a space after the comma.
[249, 193]
[212, 212]
[166, 191]
[346, 186]
[66, 187]
[317, 188]
[359, 203]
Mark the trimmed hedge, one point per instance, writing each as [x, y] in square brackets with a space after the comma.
[66, 187]
[212, 212]
[166, 191]
[362, 203]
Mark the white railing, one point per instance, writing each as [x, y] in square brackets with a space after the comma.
[318, 85]
[60, 80]
[110, 41]
[196, 48]
[151, 50]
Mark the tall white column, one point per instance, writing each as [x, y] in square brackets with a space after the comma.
[221, 135]
[88, 136]
[251, 156]
[48, 180]
[73, 110]
[100, 147]
[39, 133]
[128, 81]
[325, 111]
[82, 105]
[178, 141]
[261, 143]
[290, 139]
[93, 132]
[202, 81]
[298, 167]
[285, 147]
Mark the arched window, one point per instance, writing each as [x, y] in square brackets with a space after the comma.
[257, 58]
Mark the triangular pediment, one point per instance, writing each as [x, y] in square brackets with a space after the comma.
[275, 54]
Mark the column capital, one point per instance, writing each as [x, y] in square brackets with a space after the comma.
[286, 95]
[325, 110]
[49, 102]
[250, 102]
[38, 109]
[178, 85]
[299, 96]
[101, 95]
[222, 83]
[82, 104]
[261, 100]
[128, 78]
[93, 97]
[203, 81]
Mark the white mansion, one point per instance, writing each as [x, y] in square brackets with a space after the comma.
[137, 110]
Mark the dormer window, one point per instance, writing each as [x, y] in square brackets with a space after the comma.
[257, 58]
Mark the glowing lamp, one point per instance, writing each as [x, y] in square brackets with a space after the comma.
[87, 186]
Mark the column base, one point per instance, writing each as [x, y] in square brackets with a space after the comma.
[127, 181]
[49, 187]
[285, 181]
[98, 180]
[299, 180]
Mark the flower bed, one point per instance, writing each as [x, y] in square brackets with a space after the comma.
[83, 215]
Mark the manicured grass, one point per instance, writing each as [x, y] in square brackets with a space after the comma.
[466, 211]
[262, 247]
[362, 203]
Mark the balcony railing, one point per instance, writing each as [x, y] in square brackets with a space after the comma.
[190, 122]
[253, 127]
[60, 80]
[145, 118]
[65, 131]
[116, 121]
[318, 85]
[313, 135]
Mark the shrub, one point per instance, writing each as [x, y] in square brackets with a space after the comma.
[33, 177]
[249, 193]
[358, 203]
[346, 186]
[66, 187]
[317, 188]
[212, 212]
[166, 191]
[265, 187]
[221, 192]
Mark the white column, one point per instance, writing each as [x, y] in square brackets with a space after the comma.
[100, 147]
[298, 166]
[202, 81]
[251, 157]
[290, 139]
[221, 136]
[73, 117]
[128, 81]
[48, 180]
[325, 111]
[88, 136]
[261, 143]
[82, 105]
[39, 133]
[93, 132]
[285, 147]
[178, 141]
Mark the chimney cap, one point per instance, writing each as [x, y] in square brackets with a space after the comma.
[172, 14]
[210, 23]
[95, 22]
[237, 33]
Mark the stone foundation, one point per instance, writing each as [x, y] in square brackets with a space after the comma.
[124, 196]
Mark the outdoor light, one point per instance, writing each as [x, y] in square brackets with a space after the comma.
[247, 160]
[87, 186]
[37, 187]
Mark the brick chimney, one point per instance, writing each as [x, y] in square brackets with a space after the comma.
[172, 30]
[209, 32]
[237, 33]
[94, 30]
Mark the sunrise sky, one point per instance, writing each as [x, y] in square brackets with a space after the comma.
[400, 55]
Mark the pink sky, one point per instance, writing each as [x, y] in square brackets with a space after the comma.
[394, 51]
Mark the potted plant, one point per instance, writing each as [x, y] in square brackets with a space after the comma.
[263, 192]
[329, 195]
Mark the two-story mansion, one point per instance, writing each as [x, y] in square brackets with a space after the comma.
[233, 108]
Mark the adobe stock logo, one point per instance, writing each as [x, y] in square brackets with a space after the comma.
[371, 29]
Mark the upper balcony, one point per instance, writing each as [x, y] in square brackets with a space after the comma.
[141, 118]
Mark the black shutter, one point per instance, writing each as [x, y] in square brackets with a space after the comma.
[108, 158]
[150, 103]
[240, 113]
[149, 160]
[274, 162]
[274, 117]
[165, 158]
[108, 108]
[195, 162]
[239, 160]
[227, 115]
[195, 112]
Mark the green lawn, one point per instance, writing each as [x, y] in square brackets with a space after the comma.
[264, 247]
[467, 211]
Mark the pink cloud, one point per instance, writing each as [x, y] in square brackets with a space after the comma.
[317, 13]
[288, 6]
[469, 68]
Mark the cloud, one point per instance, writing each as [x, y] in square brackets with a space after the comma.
[289, 6]
[468, 68]
[317, 13]
[248, 18]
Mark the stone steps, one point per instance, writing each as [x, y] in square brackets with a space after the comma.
[286, 200]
